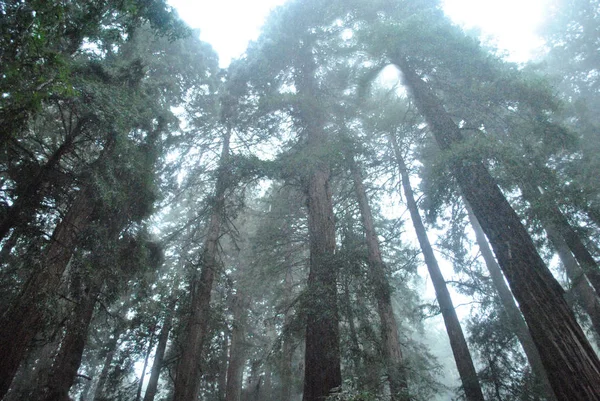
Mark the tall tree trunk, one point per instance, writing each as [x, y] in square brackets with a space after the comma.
[223, 362]
[67, 361]
[390, 338]
[460, 350]
[138, 396]
[159, 355]
[235, 368]
[186, 379]
[287, 350]
[322, 373]
[510, 307]
[554, 220]
[584, 294]
[102, 379]
[572, 365]
[20, 323]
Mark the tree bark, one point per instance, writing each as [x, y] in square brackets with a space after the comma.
[159, 355]
[23, 319]
[584, 293]
[112, 350]
[235, 368]
[186, 379]
[67, 361]
[460, 350]
[390, 338]
[571, 363]
[322, 373]
[138, 396]
[287, 352]
[512, 310]
[223, 362]
[552, 218]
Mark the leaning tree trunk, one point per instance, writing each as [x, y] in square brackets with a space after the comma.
[572, 365]
[159, 355]
[235, 368]
[322, 373]
[390, 338]
[553, 219]
[24, 318]
[511, 309]
[583, 292]
[187, 376]
[460, 350]
[67, 361]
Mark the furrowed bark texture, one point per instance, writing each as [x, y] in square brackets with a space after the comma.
[187, 376]
[159, 355]
[390, 338]
[67, 361]
[571, 363]
[24, 318]
[510, 307]
[460, 350]
[322, 372]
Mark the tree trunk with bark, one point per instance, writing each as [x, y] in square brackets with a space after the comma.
[235, 368]
[187, 374]
[390, 338]
[512, 310]
[322, 373]
[563, 233]
[23, 319]
[460, 350]
[159, 355]
[67, 361]
[103, 378]
[138, 396]
[572, 365]
[287, 352]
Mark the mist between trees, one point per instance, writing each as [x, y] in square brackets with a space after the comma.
[172, 230]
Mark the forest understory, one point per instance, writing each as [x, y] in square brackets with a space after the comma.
[369, 204]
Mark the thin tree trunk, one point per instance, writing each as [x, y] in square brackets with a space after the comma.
[186, 379]
[510, 307]
[390, 338]
[553, 219]
[21, 322]
[222, 382]
[138, 396]
[159, 355]
[460, 350]
[67, 361]
[583, 291]
[287, 350]
[235, 368]
[569, 359]
[322, 373]
[112, 350]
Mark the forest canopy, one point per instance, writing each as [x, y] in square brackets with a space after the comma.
[297, 225]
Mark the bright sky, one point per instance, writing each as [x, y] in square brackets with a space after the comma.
[228, 25]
